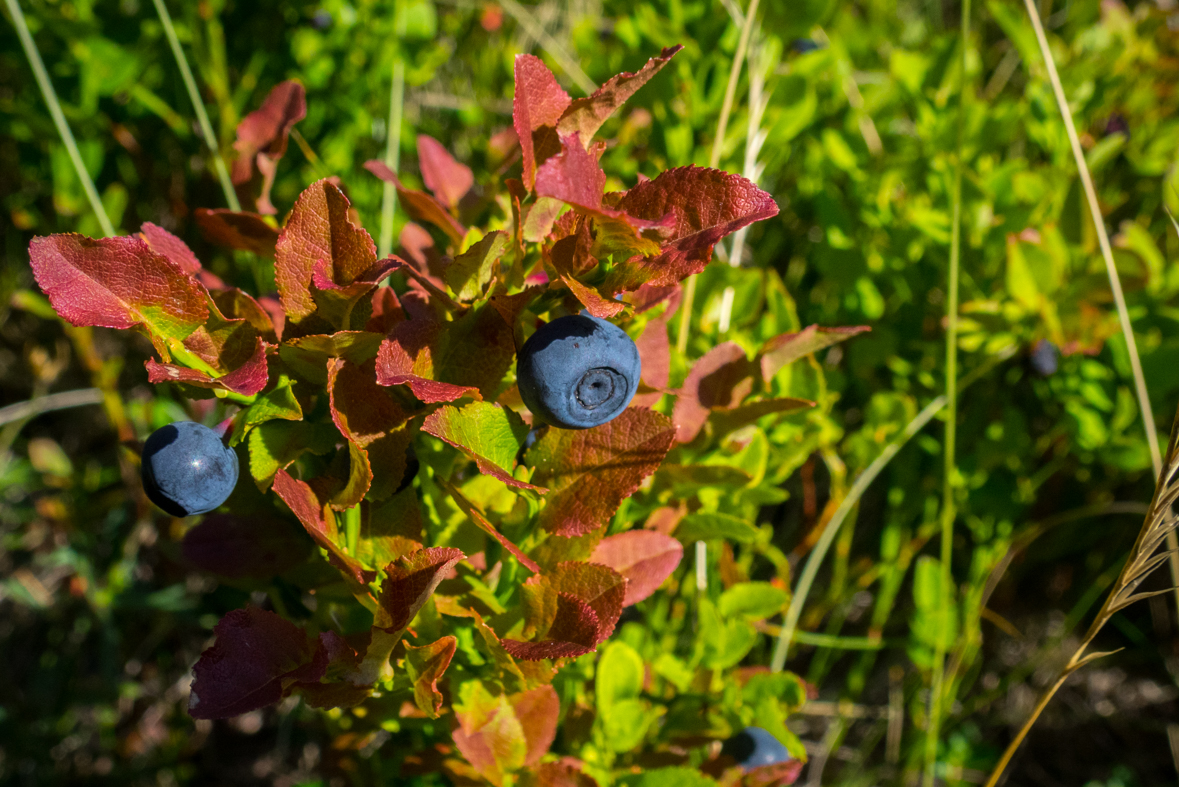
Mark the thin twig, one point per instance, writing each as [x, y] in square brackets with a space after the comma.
[1115, 284]
[198, 106]
[949, 453]
[722, 123]
[63, 128]
[47, 404]
[551, 45]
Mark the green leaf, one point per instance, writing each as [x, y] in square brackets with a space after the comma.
[619, 676]
[468, 275]
[279, 404]
[276, 444]
[668, 777]
[752, 601]
[704, 526]
[626, 725]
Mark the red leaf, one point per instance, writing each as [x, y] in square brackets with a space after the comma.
[779, 774]
[574, 633]
[603, 588]
[476, 516]
[248, 379]
[319, 229]
[410, 582]
[320, 524]
[387, 311]
[425, 666]
[234, 547]
[538, 102]
[263, 134]
[646, 558]
[708, 204]
[362, 411]
[787, 348]
[117, 283]
[537, 710]
[655, 356]
[369, 419]
[406, 358]
[238, 230]
[720, 379]
[255, 654]
[448, 179]
[575, 177]
[591, 471]
[165, 243]
[564, 773]
[418, 204]
[586, 115]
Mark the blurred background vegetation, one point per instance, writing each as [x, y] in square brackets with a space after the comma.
[847, 113]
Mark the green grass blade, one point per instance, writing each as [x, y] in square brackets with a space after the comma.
[949, 453]
[63, 128]
[198, 106]
[392, 154]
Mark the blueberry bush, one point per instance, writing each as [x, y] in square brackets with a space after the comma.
[708, 544]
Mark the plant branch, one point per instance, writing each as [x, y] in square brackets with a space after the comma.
[63, 128]
[198, 106]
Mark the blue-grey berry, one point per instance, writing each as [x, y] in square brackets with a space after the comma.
[754, 747]
[578, 371]
[187, 470]
[1045, 358]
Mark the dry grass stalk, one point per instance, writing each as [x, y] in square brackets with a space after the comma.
[1148, 554]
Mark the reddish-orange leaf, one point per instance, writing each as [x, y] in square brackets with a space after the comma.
[167, 244]
[720, 379]
[589, 472]
[248, 379]
[425, 665]
[538, 102]
[585, 116]
[603, 588]
[655, 355]
[409, 583]
[574, 633]
[238, 230]
[418, 204]
[448, 179]
[566, 772]
[787, 348]
[319, 523]
[117, 283]
[537, 710]
[644, 557]
[707, 204]
[262, 134]
[780, 774]
[319, 228]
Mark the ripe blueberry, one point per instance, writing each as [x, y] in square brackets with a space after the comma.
[754, 747]
[578, 371]
[187, 470]
[1045, 358]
